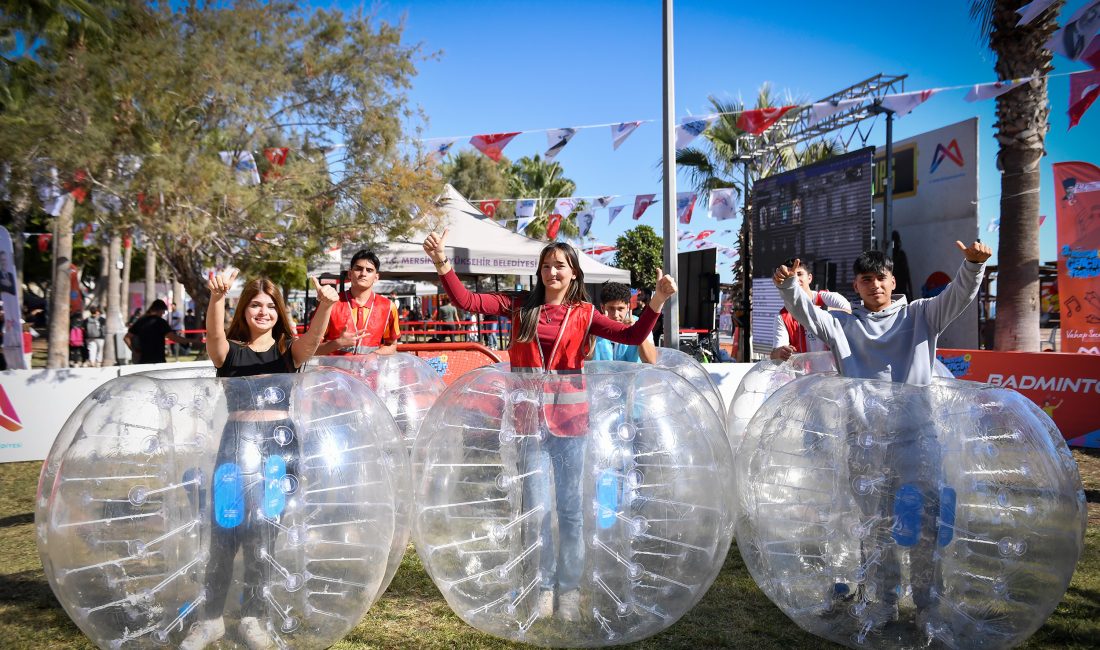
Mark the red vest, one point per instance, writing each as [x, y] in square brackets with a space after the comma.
[376, 327]
[796, 334]
[564, 400]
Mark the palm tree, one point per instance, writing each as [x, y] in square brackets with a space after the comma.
[1022, 126]
[535, 178]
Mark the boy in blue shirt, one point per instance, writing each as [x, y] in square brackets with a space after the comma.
[615, 304]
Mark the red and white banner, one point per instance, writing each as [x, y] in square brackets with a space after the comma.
[1077, 211]
[489, 207]
[1083, 90]
[759, 120]
[553, 224]
[642, 203]
[492, 144]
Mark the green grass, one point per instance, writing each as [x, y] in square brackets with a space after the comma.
[412, 614]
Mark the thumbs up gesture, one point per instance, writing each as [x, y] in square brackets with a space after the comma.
[326, 295]
[219, 284]
[783, 272]
[434, 245]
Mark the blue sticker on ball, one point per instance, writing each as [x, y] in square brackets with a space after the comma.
[228, 496]
[274, 498]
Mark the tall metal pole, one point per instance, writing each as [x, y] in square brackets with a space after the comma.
[672, 309]
[888, 188]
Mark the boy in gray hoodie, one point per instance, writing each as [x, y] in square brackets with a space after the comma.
[886, 337]
[894, 456]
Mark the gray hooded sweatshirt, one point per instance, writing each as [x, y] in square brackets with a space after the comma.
[895, 344]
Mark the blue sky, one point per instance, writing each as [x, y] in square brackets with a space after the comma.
[514, 66]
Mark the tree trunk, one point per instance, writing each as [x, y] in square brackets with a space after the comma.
[1022, 126]
[100, 297]
[110, 309]
[150, 274]
[124, 287]
[58, 339]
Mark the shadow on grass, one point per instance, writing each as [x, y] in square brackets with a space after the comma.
[17, 520]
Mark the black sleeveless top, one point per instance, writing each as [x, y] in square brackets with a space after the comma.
[271, 391]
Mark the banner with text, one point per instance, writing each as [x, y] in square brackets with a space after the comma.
[1077, 208]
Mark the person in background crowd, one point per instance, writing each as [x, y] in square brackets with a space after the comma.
[95, 333]
[792, 338]
[78, 354]
[149, 332]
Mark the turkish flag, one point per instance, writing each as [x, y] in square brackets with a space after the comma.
[759, 120]
[277, 157]
[704, 235]
[642, 203]
[553, 224]
[489, 208]
[492, 144]
[44, 243]
[1083, 89]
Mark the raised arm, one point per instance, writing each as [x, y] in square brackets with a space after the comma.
[816, 321]
[305, 346]
[492, 304]
[635, 334]
[940, 310]
[217, 345]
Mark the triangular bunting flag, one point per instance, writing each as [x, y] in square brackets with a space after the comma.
[556, 139]
[994, 225]
[565, 206]
[553, 224]
[440, 146]
[525, 213]
[489, 207]
[995, 89]
[759, 120]
[685, 205]
[703, 235]
[585, 219]
[904, 103]
[1083, 89]
[684, 236]
[613, 212]
[691, 128]
[620, 132]
[1031, 11]
[642, 203]
[1075, 38]
[604, 201]
[244, 166]
[492, 144]
[822, 110]
[277, 157]
[721, 204]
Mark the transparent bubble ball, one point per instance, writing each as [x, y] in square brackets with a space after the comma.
[164, 495]
[883, 515]
[405, 383]
[689, 368]
[572, 510]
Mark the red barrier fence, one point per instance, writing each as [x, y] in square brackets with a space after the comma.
[453, 359]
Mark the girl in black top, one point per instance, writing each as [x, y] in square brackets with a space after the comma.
[257, 457]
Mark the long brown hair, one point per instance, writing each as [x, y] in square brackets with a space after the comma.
[238, 330]
[529, 312]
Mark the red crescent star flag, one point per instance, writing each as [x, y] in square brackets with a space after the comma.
[492, 144]
[641, 203]
[1083, 89]
[759, 120]
[704, 235]
[489, 207]
[553, 224]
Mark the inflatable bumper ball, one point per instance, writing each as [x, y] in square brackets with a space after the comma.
[572, 510]
[686, 366]
[763, 379]
[884, 515]
[405, 383]
[250, 512]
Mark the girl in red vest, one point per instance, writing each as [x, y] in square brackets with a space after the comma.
[551, 328]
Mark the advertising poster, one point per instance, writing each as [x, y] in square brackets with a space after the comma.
[1078, 212]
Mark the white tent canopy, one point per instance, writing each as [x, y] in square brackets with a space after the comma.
[478, 246]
